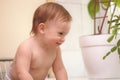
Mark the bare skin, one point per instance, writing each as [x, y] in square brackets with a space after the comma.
[36, 55]
[42, 60]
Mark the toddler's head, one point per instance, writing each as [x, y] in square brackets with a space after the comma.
[47, 12]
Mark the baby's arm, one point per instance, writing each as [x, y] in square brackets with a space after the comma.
[58, 67]
[22, 62]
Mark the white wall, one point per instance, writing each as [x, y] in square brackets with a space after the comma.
[15, 23]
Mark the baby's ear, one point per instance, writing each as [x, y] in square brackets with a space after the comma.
[41, 28]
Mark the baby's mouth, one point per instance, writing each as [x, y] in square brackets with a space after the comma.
[58, 43]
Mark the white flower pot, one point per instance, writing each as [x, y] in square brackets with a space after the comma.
[94, 47]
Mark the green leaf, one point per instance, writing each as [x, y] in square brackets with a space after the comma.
[117, 24]
[117, 2]
[113, 48]
[118, 43]
[119, 50]
[91, 8]
[104, 57]
[112, 21]
[115, 31]
[110, 38]
[113, 27]
[106, 3]
[108, 53]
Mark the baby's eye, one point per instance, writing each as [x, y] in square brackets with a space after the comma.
[61, 33]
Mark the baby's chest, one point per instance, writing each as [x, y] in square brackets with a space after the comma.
[42, 61]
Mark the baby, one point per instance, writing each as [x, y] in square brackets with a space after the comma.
[36, 55]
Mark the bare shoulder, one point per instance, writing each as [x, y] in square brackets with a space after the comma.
[25, 46]
[26, 43]
[23, 55]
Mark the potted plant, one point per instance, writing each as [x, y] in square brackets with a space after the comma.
[95, 48]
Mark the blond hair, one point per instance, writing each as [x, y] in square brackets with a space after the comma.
[49, 11]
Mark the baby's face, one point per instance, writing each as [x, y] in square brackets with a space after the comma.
[56, 31]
